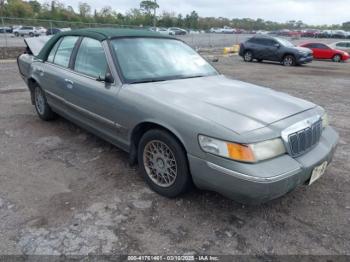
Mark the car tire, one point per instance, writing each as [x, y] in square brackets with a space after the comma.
[31, 34]
[163, 163]
[16, 34]
[42, 108]
[289, 60]
[337, 58]
[260, 60]
[248, 56]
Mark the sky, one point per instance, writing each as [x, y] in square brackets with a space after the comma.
[316, 12]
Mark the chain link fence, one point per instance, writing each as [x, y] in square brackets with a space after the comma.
[12, 43]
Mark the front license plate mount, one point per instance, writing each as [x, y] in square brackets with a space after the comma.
[318, 172]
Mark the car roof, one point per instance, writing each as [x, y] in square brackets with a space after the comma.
[99, 34]
[306, 43]
[109, 33]
[265, 37]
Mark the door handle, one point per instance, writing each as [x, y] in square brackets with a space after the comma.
[69, 83]
[41, 72]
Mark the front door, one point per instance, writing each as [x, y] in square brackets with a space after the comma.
[270, 50]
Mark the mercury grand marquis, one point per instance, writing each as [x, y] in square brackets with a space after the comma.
[182, 121]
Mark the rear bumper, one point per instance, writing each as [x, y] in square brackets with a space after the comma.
[264, 181]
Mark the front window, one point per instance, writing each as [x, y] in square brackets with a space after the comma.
[91, 59]
[157, 59]
[285, 42]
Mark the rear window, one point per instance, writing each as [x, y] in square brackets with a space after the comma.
[51, 56]
[64, 51]
[254, 40]
[341, 44]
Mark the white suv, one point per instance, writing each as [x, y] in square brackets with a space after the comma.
[26, 30]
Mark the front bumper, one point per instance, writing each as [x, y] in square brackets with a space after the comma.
[264, 181]
[345, 58]
[305, 59]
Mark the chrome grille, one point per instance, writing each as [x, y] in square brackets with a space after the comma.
[303, 140]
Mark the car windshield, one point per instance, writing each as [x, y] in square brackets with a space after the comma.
[285, 42]
[158, 59]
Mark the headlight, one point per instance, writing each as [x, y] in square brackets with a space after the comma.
[325, 120]
[242, 152]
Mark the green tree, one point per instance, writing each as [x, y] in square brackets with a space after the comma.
[18, 8]
[346, 26]
[149, 6]
[84, 9]
[191, 20]
[36, 6]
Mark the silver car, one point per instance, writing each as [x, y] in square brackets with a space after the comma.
[183, 122]
[27, 31]
[341, 45]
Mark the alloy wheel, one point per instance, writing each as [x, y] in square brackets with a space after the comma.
[337, 58]
[160, 163]
[288, 61]
[39, 101]
[248, 56]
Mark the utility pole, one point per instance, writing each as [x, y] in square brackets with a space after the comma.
[154, 14]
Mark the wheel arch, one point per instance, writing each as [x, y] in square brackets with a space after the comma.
[32, 83]
[140, 129]
[288, 53]
[339, 54]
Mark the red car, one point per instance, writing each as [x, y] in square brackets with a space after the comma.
[323, 51]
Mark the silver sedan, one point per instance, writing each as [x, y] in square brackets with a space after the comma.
[182, 121]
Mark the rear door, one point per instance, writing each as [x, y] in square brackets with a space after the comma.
[91, 100]
[255, 44]
[56, 70]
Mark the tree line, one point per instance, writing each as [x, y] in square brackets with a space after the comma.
[143, 15]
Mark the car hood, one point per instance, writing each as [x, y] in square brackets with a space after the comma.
[236, 105]
[303, 49]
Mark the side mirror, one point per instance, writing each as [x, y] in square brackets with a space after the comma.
[107, 79]
[277, 45]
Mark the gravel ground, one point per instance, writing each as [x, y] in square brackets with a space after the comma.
[65, 191]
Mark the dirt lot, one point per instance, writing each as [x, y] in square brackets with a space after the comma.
[65, 191]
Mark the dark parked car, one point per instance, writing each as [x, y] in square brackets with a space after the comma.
[53, 31]
[5, 30]
[274, 49]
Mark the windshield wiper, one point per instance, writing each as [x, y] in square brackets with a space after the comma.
[159, 80]
[195, 76]
[146, 81]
